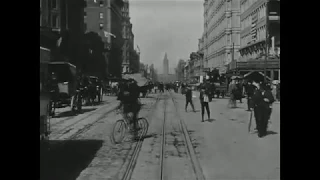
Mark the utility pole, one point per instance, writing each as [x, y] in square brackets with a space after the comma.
[267, 41]
[232, 61]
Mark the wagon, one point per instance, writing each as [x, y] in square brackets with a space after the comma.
[67, 84]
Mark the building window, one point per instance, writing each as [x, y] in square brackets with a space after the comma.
[40, 20]
[85, 27]
[54, 4]
[101, 26]
[54, 21]
[85, 14]
[101, 15]
[85, 3]
[101, 3]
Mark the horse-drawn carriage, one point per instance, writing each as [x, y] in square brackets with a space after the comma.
[220, 90]
[95, 89]
[66, 81]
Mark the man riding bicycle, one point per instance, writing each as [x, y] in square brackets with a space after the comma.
[129, 100]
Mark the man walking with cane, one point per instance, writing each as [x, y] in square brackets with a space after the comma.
[262, 100]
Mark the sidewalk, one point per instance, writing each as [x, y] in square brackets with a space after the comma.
[226, 149]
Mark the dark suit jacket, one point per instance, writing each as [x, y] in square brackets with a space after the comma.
[189, 94]
[258, 99]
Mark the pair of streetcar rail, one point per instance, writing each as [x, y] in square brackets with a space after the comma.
[190, 150]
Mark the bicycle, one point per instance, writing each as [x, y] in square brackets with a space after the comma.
[124, 126]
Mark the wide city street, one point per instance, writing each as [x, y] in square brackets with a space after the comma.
[176, 145]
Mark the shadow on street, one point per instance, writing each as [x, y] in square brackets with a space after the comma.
[70, 113]
[271, 133]
[67, 159]
[210, 120]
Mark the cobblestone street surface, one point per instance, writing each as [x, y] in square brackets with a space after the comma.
[220, 148]
[81, 147]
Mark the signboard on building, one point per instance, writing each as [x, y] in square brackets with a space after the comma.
[253, 31]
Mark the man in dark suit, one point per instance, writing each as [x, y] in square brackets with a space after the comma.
[262, 101]
[204, 100]
[189, 99]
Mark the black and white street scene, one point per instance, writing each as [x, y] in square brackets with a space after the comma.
[159, 89]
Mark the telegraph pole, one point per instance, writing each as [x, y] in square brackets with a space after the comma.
[267, 41]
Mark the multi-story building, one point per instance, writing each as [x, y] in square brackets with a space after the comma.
[165, 65]
[127, 36]
[104, 17]
[130, 47]
[166, 77]
[179, 70]
[221, 32]
[256, 21]
[61, 29]
[135, 61]
[254, 28]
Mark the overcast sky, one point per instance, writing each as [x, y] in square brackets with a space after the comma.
[172, 26]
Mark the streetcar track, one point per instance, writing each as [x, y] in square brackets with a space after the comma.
[196, 168]
[85, 128]
[135, 154]
[163, 142]
[86, 115]
[188, 145]
[61, 132]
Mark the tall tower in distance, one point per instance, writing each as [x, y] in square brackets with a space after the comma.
[165, 65]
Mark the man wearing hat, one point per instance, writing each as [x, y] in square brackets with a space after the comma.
[262, 101]
[204, 100]
[189, 99]
[129, 99]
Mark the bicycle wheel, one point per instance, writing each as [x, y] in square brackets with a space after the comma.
[144, 125]
[119, 131]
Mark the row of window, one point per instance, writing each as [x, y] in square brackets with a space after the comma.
[86, 27]
[245, 40]
[217, 61]
[260, 35]
[217, 45]
[53, 21]
[247, 4]
[261, 12]
[100, 15]
[100, 26]
[52, 4]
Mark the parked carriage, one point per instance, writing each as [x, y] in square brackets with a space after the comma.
[66, 94]
[96, 89]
